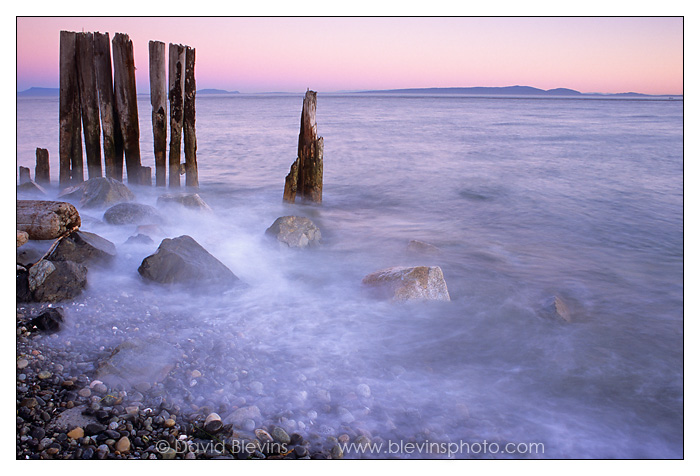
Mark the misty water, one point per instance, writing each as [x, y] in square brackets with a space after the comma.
[527, 199]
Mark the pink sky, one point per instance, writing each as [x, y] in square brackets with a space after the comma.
[610, 55]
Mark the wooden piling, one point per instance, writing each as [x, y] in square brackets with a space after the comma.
[159, 105]
[111, 133]
[41, 171]
[305, 177]
[176, 90]
[89, 107]
[192, 176]
[127, 108]
[25, 175]
[70, 147]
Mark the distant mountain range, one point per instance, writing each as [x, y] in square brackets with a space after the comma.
[475, 91]
[505, 91]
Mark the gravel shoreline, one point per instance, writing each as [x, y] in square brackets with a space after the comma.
[65, 412]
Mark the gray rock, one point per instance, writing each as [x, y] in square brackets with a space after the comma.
[134, 362]
[280, 435]
[295, 232]
[423, 248]
[183, 260]
[98, 192]
[31, 189]
[52, 281]
[139, 239]
[213, 423]
[419, 283]
[187, 200]
[84, 247]
[132, 214]
[239, 416]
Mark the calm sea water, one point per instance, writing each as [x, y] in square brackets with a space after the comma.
[527, 198]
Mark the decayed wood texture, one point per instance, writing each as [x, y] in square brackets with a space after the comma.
[159, 106]
[89, 107]
[176, 91]
[305, 177]
[25, 175]
[41, 171]
[192, 176]
[127, 109]
[70, 146]
[46, 220]
[111, 134]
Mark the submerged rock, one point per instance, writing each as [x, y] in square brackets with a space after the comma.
[187, 200]
[83, 247]
[183, 260]
[52, 281]
[295, 232]
[31, 188]
[136, 363]
[419, 283]
[50, 320]
[132, 213]
[421, 247]
[556, 308]
[98, 192]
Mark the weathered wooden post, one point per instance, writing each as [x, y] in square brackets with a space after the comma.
[176, 90]
[127, 108]
[159, 105]
[70, 146]
[192, 176]
[305, 177]
[89, 108]
[111, 133]
[41, 171]
[25, 175]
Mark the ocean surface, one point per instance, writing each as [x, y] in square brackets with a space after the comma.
[527, 199]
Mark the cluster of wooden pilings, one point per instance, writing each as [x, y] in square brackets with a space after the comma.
[106, 100]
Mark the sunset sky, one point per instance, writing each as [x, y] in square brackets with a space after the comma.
[249, 55]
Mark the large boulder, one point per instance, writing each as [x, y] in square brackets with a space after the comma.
[295, 232]
[183, 260]
[45, 219]
[187, 200]
[98, 192]
[419, 283]
[52, 281]
[132, 214]
[83, 247]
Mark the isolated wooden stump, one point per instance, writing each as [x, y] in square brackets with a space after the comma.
[305, 177]
[24, 175]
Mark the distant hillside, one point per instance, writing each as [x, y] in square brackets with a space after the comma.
[39, 92]
[215, 91]
[486, 91]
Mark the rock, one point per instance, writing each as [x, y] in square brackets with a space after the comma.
[363, 390]
[239, 416]
[169, 423]
[295, 232]
[31, 189]
[280, 435]
[132, 214]
[337, 452]
[52, 281]
[46, 220]
[84, 247]
[183, 260]
[23, 292]
[263, 436]
[556, 308]
[420, 283]
[420, 247]
[94, 428]
[50, 320]
[76, 433]
[98, 192]
[22, 238]
[139, 239]
[85, 392]
[123, 445]
[134, 362]
[213, 423]
[187, 200]
[22, 363]
[45, 374]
